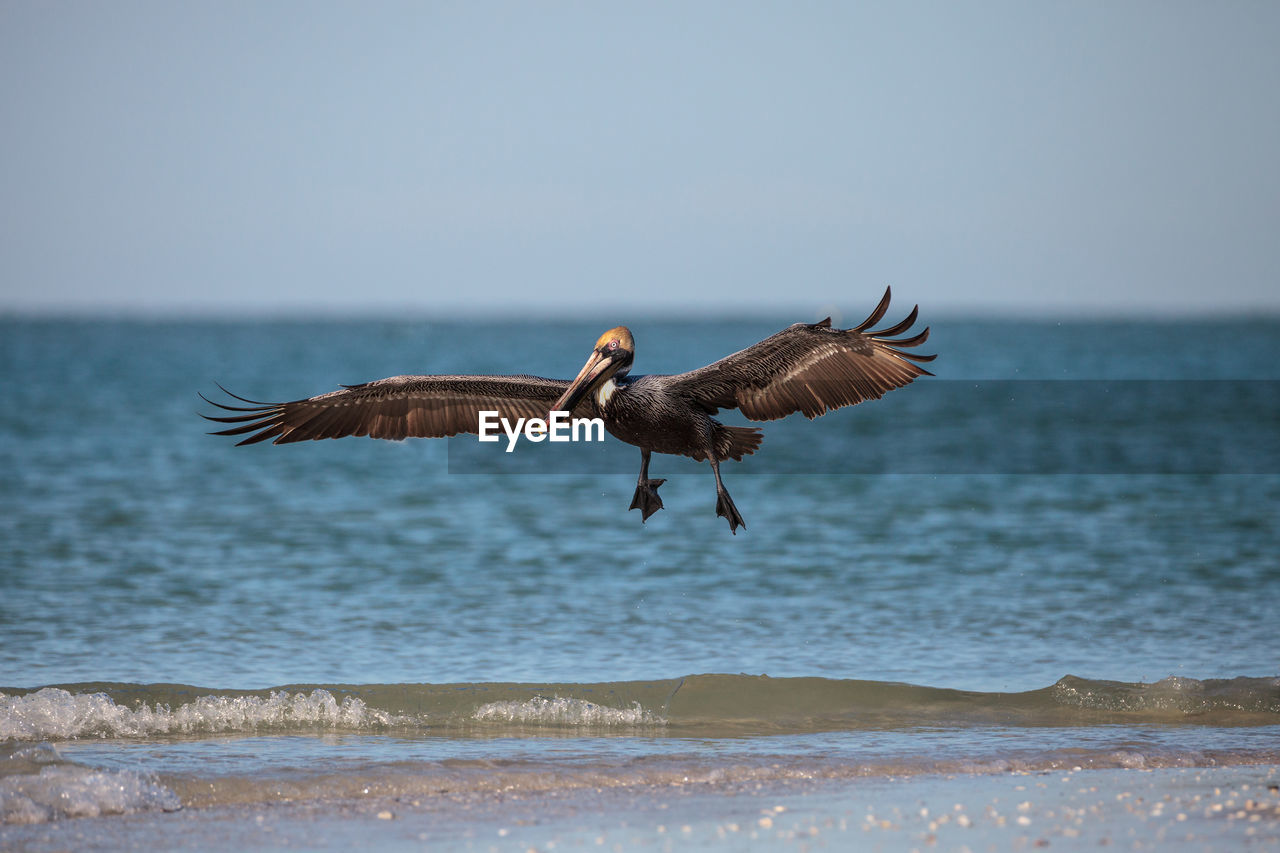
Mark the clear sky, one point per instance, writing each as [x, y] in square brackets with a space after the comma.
[1098, 158]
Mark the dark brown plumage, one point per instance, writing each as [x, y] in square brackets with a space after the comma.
[809, 368]
[396, 408]
[806, 368]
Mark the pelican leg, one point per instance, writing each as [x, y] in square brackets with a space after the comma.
[646, 498]
[724, 504]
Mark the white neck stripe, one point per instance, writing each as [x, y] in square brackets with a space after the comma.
[605, 391]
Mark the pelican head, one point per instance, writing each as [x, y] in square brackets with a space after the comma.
[612, 356]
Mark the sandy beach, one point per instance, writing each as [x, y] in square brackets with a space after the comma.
[1191, 808]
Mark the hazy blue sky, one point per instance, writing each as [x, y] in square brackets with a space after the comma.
[1036, 157]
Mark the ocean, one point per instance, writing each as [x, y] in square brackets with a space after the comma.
[1060, 552]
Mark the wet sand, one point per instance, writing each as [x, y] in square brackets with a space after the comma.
[1166, 809]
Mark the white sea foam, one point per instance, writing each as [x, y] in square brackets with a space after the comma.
[72, 791]
[55, 713]
[37, 785]
[565, 712]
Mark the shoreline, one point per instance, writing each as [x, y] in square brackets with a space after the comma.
[1184, 808]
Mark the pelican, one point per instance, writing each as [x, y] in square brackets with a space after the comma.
[811, 368]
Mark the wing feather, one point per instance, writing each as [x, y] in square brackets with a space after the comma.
[810, 368]
[395, 408]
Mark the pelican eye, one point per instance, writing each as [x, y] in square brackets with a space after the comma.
[613, 344]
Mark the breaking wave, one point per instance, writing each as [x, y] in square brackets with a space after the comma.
[710, 705]
[564, 712]
[440, 733]
[56, 714]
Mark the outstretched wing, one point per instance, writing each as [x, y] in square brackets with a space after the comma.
[395, 408]
[809, 368]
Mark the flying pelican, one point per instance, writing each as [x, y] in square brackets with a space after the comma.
[809, 368]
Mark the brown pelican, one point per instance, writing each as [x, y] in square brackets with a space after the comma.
[808, 368]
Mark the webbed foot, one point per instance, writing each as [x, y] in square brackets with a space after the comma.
[646, 498]
[725, 509]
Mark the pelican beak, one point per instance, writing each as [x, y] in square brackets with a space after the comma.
[596, 366]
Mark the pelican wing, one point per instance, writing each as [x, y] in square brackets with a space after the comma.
[809, 368]
[396, 408]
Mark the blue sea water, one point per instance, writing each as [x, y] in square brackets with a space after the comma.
[1065, 543]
